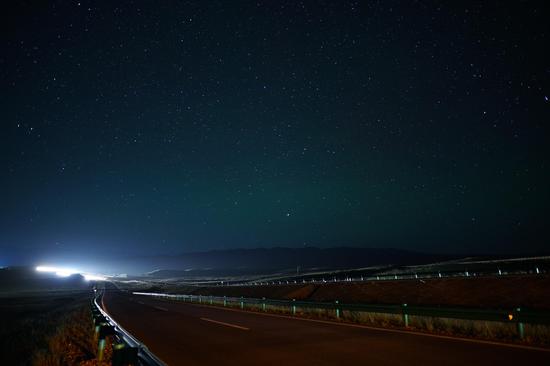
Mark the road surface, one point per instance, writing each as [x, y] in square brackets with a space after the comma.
[185, 334]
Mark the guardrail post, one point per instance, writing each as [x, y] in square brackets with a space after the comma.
[337, 310]
[105, 329]
[100, 349]
[520, 325]
[293, 306]
[98, 320]
[124, 355]
[521, 330]
[405, 315]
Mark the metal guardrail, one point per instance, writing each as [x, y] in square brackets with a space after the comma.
[328, 278]
[516, 316]
[126, 349]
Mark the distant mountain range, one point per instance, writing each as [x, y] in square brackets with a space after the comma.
[263, 260]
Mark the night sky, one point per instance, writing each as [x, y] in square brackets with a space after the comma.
[157, 127]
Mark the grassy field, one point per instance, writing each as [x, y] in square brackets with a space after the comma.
[47, 329]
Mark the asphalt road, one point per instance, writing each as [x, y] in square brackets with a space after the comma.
[185, 334]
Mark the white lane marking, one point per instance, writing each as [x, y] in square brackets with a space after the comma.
[159, 308]
[226, 324]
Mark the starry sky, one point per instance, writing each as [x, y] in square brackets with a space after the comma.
[162, 127]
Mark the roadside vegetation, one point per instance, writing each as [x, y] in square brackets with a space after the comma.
[48, 330]
[73, 343]
[538, 335]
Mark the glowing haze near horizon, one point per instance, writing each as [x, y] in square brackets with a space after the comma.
[144, 128]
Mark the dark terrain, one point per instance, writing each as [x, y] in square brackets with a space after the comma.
[33, 306]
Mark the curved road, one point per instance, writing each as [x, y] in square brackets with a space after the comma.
[185, 334]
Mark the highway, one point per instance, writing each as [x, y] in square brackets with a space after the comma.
[186, 334]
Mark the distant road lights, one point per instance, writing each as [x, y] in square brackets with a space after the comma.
[61, 272]
[66, 272]
[46, 269]
[89, 277]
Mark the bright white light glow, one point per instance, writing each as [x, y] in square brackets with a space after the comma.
[66, 272]
[89, 277]
[61, 272]
[47, 269]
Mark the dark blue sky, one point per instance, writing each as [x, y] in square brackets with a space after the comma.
[164, 127]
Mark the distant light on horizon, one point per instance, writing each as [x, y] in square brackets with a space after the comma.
[66, 272]
[89, 277]
[61, 272]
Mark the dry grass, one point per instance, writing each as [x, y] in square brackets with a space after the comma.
[72, 343]
[537, 334]
[28, 322]
[467, 328]
[48, 329]
[382, 320]
[480, 329]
